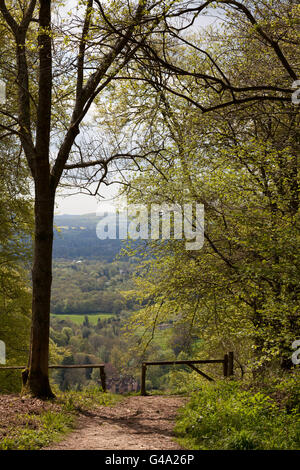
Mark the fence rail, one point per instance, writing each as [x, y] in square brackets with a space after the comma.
[101, 368]
[227, 362]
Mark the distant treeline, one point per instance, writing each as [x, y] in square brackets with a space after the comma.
[76, 237]
[88, 286]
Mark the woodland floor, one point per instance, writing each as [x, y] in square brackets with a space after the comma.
[135, 423]
[14, 410]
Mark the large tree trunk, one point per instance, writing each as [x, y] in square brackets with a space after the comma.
[35, 378]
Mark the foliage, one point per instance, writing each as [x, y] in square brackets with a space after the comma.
[90, 286]
[81, 340]
[240, 292]
[99, 342]
[16, 225]
[79, 319]
[153, 86]
[226, 416]
[86, 399]
[38, 431]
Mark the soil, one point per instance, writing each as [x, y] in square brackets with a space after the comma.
[136, 423]
[13, 411]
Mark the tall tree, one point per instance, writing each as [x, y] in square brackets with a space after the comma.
[241, 162]
[49, 76]
[36, 90]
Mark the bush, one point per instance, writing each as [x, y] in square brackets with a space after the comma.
[225, 416]
[243, 440]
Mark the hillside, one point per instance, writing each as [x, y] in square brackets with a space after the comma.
[75, 237]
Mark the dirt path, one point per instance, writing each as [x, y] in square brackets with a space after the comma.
[134, 424]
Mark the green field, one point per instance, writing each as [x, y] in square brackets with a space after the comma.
[78, 319]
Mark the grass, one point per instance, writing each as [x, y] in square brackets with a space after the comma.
[226, 416]
[78, 401]
[34, 431]
[79, 319]
[38, 431]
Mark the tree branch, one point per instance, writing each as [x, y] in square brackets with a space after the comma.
[87, 92]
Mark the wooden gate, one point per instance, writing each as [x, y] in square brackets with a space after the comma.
[227, 362]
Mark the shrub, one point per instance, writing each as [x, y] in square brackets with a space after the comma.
[225, 416]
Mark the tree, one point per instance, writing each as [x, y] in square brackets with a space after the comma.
[30, 28]
[62, 376]
[242, 164]
[16, 225]
[53, 83]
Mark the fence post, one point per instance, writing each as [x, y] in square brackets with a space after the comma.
[225, 365]
[143, 380]
[103, 378]
[230, 363]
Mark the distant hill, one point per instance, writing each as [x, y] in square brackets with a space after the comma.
[75, 237]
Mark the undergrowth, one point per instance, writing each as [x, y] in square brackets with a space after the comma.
[34, 431]
[232, 416]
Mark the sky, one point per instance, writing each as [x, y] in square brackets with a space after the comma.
[78, 204]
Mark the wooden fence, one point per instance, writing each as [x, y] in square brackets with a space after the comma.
[227, 362]
[101, 368]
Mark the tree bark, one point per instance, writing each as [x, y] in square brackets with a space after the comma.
[37, 381]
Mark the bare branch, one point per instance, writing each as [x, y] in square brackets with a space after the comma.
[242, 8]
[8, 17]
[85, 97]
